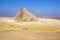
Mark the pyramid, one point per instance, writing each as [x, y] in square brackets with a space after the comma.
[25, 15]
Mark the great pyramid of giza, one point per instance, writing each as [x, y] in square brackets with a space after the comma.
[25, 15]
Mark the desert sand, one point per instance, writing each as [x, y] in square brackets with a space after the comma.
[29, 35]
[26, 26]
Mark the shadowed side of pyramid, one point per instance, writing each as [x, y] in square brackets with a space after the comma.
[25, 15]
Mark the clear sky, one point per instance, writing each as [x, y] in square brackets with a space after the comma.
[38, 7]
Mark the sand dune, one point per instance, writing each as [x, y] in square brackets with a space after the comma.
[44, 29]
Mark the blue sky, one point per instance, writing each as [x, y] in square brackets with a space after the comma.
[37, 7]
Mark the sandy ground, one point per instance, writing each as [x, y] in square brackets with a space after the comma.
[42, 26]
[29, 35]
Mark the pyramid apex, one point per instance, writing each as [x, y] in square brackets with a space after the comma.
[23, 8]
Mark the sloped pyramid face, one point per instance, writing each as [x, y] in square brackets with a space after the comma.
[25, 15]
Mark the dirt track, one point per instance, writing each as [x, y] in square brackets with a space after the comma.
[29, 35]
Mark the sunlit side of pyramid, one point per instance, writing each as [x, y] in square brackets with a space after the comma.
[25, 15]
